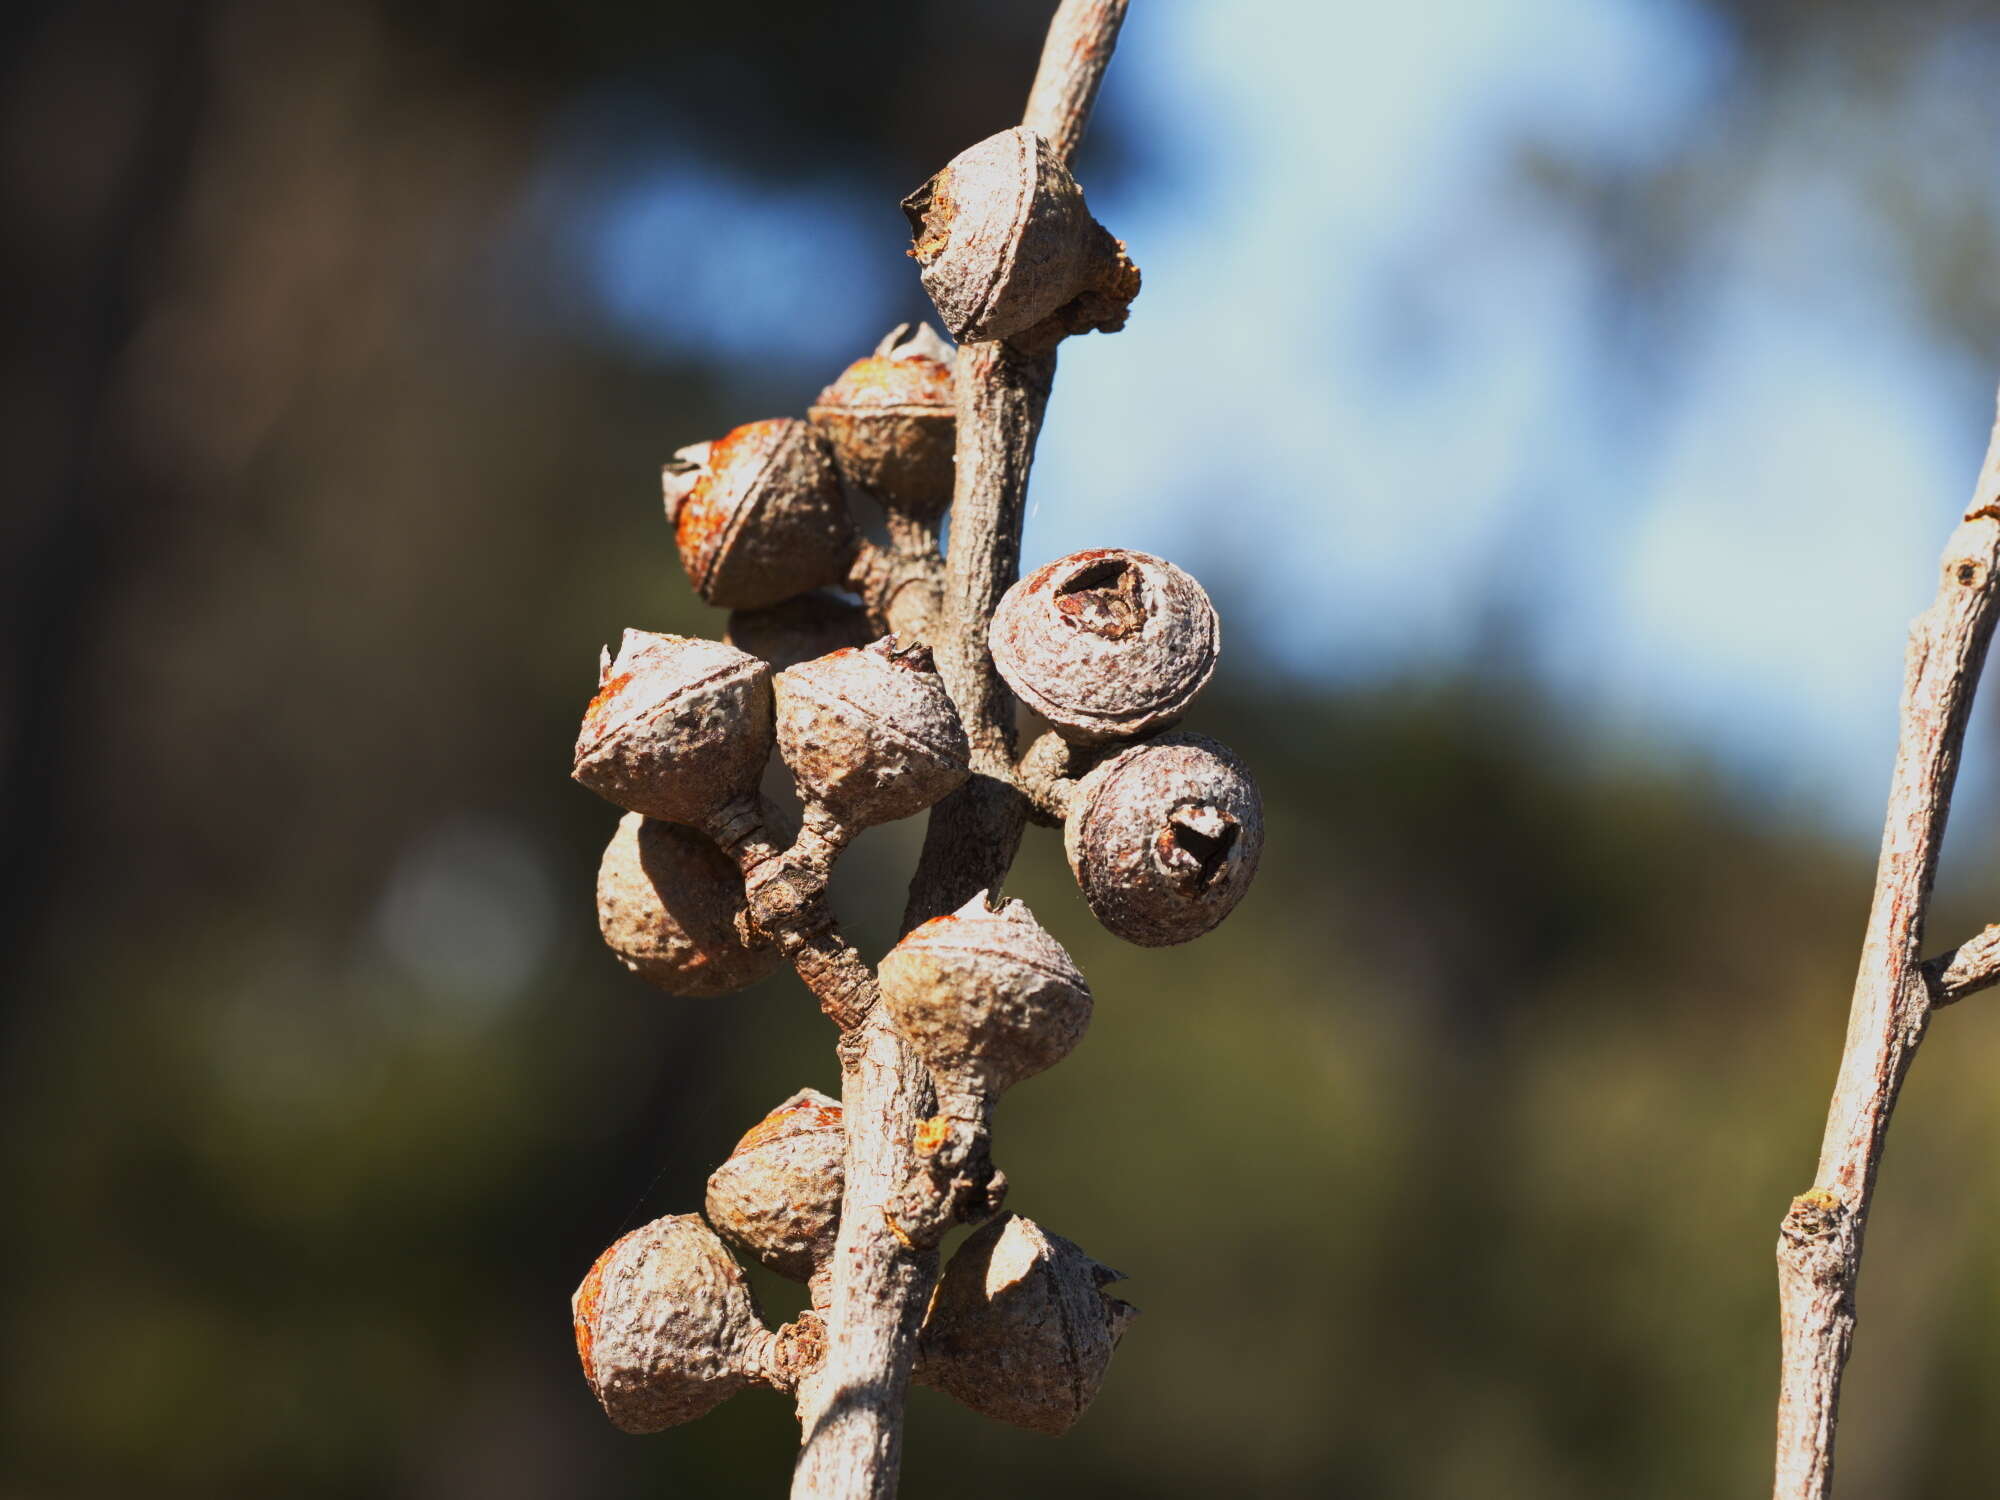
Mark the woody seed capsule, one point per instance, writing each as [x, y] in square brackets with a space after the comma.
[758, 514]
[890, 421]
[666, 1326]
[1021, 1328]
[1164, 837]
[778, 1195]
[870, 735]
[799, 629]
[1006, 243]
[987, 998]
[680, 729]
[668, 904]
[1106, 644]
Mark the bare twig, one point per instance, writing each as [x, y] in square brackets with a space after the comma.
[1047, 777]
[787, 899]
[974, 833]
[1820, 1240]
[1073, 61]
[851, 1408]
[1966, 970]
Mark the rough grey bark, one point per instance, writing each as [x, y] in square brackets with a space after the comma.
[851, 1407]
[1820, 1240]
[974, 833]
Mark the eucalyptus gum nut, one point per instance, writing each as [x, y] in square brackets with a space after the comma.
[1164, 838]
[891, 421]
[665, 1326]
[1107, 644]
[669, 903]
[679, 729]
[870, 734]
[1021, 1328]
[986, 997]
[758, 514]
[799, 629]
[1006, 242]
[778, 1195]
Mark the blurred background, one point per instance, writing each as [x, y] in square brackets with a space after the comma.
[1564, 400]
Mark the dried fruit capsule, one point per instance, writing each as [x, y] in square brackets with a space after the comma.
[668, 904]
[1163, 838]
[1021, 1328]
[1006, 241]
[666, 1326]
[890, 421]
[680, 729]
[759, 515]
[778, 1195]
[799, 629]
[870, 735]
[987, 998]
[1106, 644]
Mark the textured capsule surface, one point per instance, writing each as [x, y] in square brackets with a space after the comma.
[890, 422]
[778, 1195]
[1021, 1328]
[1003, 237]
[668, 902]
[679, 727]
[665, 1325]
[1164, 838]
[758, 514]
[1106, 644]
[799, 629]
[986, 997]
[870, 734]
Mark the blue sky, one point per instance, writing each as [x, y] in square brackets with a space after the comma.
[1376, 392]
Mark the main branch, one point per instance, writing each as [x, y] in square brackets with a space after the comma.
[851, 1409]
[1820, 1241]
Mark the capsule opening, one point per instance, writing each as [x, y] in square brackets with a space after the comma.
[1197, 843]
[1105, 597]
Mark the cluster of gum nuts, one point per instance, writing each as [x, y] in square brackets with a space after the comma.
[707, 888]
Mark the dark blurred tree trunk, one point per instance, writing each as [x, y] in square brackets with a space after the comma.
[117, 177]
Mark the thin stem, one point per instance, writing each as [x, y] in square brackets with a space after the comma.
[851, 1409]
[1047, 776]
[786, 892]
[1966, 970]
[1820, 1240]
[974, 833]
[1074, 57]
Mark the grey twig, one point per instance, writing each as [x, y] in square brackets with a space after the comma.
[851, 1408]
[1966, 970]
[1820, 1241]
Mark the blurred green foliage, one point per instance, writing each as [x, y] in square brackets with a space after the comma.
[1452, 1164]
[1455, 1154]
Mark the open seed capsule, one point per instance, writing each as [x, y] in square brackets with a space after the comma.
[1006, 241]
[799, 629]
[668, 904]
[870, 735]
[759, 515]
[891, 422]
[1106, 644]
[680, 728]
[778, 1195]
[666, 1326]
[1164, 837]
[1021, 1328]
[987, 998]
